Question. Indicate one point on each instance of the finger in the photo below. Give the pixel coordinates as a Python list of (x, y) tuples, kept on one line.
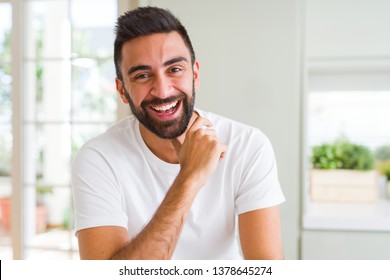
[(199, 123), (206, 127), (224, 151), (209, 131)]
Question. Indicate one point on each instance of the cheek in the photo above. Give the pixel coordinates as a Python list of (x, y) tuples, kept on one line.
[(185, 85), (137, 95)]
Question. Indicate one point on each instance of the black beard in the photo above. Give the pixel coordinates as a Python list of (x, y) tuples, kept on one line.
[(165, 129)]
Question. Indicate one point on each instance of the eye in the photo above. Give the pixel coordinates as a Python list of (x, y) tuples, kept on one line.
[(141, 76), (174, 69)]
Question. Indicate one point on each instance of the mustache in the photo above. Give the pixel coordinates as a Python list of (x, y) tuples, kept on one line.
[(159, 101)]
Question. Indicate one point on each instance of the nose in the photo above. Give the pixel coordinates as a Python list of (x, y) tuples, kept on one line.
[(162, 87)]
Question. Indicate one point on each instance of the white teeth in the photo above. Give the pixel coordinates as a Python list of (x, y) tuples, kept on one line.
[(165, 107)]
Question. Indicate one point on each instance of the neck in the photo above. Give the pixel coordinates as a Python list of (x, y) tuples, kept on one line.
[(163, 148)]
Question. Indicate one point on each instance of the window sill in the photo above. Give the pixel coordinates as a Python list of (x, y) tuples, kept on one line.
[(348, 216)]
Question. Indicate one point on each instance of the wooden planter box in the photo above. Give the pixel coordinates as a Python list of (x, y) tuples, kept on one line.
[(344, 185)]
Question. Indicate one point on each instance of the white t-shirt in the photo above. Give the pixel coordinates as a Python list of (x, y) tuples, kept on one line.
[(118, 181)]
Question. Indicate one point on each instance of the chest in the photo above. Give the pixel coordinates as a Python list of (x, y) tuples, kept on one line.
[(145, 186)]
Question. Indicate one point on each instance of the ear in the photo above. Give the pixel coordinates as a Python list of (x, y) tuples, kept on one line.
[(196, 74), (120, 89)]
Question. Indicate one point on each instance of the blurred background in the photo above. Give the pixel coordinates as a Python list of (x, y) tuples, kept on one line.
[(314, 75)]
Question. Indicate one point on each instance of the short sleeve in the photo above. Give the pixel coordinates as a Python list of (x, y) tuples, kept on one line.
[(259, 186), (96, 194)]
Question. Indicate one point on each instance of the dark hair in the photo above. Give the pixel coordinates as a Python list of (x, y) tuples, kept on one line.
[(145, 21)]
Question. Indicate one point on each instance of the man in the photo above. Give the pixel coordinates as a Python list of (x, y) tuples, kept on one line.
[(171, 181)]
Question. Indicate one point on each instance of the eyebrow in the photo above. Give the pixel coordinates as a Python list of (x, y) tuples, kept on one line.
[(175, 60), (137, 68), (148, 67)]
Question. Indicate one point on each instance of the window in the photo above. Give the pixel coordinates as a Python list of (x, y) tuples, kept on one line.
[(360, 116), (68, 96)]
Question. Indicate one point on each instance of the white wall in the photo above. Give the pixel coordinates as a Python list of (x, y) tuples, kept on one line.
[(348, 28), (249, 53)]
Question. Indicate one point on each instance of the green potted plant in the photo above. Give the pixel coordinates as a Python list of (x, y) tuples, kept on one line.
[(5, 183), (382, 158), (42, 212), (5, 211), (385, 171), (41, 209), (343, 171)]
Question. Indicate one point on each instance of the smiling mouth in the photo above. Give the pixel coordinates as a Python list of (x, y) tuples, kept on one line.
[(166, 108)]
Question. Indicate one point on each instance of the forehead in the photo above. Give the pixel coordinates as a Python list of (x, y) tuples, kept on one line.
[(154, 48)]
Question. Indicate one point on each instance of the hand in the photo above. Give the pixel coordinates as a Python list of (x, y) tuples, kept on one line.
[(200, 151)]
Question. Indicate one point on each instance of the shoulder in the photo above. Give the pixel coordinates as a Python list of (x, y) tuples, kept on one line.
[(120, 137), (234, 131), (119, 132)]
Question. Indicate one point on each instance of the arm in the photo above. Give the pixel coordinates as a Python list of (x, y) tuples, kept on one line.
[(260, 234), (156, 241), (198, 157)]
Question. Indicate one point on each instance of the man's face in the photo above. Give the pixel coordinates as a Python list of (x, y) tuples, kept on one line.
[(159, 82)]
